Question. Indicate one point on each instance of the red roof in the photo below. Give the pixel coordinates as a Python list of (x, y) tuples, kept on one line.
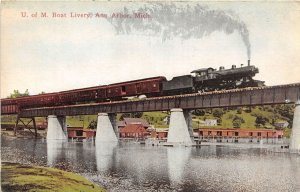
[(129, 121), (133, 128)]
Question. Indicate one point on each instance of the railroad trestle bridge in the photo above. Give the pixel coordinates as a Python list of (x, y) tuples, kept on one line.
[(230, 98), (179, 105)]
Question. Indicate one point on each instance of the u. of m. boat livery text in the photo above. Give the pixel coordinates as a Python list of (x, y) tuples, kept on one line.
[(85, 15)]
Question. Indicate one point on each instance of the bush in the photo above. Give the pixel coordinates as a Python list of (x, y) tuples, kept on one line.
[(198, 112), (237, 122), (218, 113), (93, 124), (239, 110), (261, 121)]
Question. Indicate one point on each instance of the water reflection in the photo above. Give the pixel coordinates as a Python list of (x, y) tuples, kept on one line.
[(135, 167), (178, 157), (104, 155), (55, 150)]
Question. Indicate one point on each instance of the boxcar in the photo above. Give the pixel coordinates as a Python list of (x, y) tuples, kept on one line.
[(149, 87)]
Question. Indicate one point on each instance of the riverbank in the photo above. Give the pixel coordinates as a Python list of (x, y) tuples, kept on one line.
[(24, 133), (18, 177)]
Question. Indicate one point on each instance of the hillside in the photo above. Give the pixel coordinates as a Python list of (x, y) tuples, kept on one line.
[(242, 117)]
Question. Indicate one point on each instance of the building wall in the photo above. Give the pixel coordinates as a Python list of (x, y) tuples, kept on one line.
[(81, 133), (133, 131), (241, 133)]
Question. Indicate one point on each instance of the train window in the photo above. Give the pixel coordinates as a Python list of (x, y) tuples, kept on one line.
[(123, 88)]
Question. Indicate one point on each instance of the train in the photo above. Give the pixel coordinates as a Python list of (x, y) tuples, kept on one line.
[(200, 80)]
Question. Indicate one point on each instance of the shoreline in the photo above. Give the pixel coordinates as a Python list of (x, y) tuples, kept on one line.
[(20, 177)]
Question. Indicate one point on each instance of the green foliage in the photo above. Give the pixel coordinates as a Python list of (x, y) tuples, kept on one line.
[(269, 109), (239, 110), (158, 119), (79, 121), (124, 115), (93, 124), (198, 112), (136, 115), (230, 116), (248, 110), (17, 177), (130, 115), (261, 121), (237, 122), (217, 113), (287, 132), (17, 93), (286, 111)]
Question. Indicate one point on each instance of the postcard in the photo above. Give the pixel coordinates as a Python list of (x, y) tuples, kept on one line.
[(57, 53)]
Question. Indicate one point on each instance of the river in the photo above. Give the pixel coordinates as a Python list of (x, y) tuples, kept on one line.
[(136, 167)]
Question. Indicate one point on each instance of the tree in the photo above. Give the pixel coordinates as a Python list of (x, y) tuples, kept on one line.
[(17, 93), (217, 113), (93, 124), (286, 111), (136, 114), (198, 112), (237, 122), (124, 115), (260, 120)]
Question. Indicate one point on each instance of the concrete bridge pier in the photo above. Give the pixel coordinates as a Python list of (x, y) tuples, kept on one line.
[(105, 128), (113, 119), (180, 128), (57, 128), (188, 119), (295, 136)]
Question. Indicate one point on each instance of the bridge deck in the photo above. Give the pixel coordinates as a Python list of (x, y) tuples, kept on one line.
[(229, 98)]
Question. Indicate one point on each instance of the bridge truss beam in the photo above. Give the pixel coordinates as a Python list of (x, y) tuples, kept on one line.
[(230, 98)]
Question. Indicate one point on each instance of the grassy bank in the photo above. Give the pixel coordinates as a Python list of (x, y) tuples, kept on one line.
[(16, 177)]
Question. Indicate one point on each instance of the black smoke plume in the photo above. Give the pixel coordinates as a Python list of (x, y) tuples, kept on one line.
[(170, 20)]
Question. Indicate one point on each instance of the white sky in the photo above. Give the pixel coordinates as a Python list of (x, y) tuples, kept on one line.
[(51, 54)]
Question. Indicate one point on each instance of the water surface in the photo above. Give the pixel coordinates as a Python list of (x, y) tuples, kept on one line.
[(135, 167)]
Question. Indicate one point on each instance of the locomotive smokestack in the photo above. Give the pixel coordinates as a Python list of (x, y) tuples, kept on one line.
[(249, 62)]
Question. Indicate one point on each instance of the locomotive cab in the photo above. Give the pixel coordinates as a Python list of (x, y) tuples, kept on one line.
[(204, 72)]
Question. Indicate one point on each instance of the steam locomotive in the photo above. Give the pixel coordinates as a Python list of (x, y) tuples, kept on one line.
[(209, 79), (200, 80)]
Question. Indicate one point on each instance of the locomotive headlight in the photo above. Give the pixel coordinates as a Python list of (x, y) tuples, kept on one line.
[(287, 101)]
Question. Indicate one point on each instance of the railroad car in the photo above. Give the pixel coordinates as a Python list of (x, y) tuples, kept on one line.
[(9, 106), (200, 80), (149, 87)]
